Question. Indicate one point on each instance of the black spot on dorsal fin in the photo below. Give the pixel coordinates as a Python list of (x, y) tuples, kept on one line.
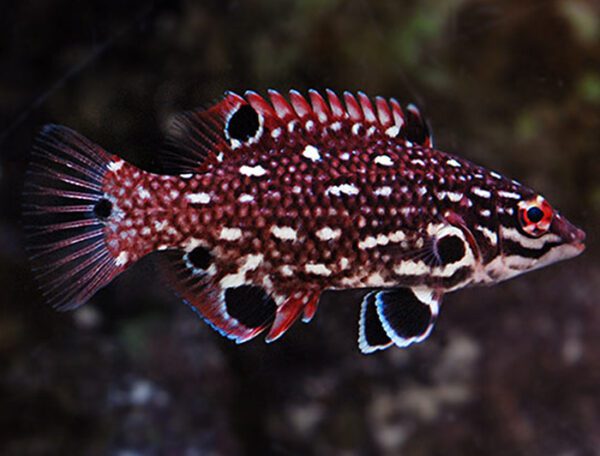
[(407, 315)]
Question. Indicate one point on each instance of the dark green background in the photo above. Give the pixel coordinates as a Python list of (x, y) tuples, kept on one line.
[(513, 369)]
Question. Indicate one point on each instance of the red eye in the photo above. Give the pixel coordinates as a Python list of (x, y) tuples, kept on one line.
[(535, 216)]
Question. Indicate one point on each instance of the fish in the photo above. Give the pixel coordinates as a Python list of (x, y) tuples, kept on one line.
[(266, 202)]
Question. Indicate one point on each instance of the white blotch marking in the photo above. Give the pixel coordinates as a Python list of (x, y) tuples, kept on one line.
[(309, 125), (344, 263), (186, 175), (482, 193), (317, 269), (312, 153), (286, 270), (409, 268), (174, 194), (245, 198), (530, 243), (495, 175), (371, 130), (116, 165), (397, 236), (336, 126), (422, 190), (485, 212), (198, 198), (489, 234), (285, 233), (251, 262), (356, 128), (347, 189), (143, 193), (384, 160), (392, 132), (367, 243), (418, 161), (276, 133), (383, 191), (375, 280), (159, 226), (455, 197), (328, 234), (453, 163), (254, 171), (291, 126), (230, 234), (345, 156), (122, 259), (510, 195)]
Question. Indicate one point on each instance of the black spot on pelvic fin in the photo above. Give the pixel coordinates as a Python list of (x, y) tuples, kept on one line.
[(450, 249), (200, 258), (250, 305), (103, 209), (243, 124), (404, 313)]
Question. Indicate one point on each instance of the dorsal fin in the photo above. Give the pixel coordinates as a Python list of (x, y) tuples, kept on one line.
[(201, 137)]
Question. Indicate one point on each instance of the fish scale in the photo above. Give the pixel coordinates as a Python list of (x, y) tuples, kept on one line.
[(270, 202)]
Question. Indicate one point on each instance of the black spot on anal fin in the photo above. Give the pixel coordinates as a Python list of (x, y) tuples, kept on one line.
[(250, 305), (407, 315), (371, 335)]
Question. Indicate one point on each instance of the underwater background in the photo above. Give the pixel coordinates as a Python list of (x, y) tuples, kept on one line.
[(509, 370)]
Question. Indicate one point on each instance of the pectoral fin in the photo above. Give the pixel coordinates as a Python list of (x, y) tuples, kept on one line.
[(401, 316)]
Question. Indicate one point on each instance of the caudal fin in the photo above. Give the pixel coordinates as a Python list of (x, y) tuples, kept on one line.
[(64, 213)]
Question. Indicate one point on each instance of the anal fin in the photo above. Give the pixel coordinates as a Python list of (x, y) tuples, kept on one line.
[(238, 313)]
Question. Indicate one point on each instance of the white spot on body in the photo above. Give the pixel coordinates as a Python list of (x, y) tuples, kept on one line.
[(384, 160), (245, 198), (347, 189), (251, 262), (116, 165), (230, 234), (159, 226), (383, 191), (453, 163), (455, 197), (285, 233), (310, 125), (356, 128), (143, 193), (276, 133), (336, 126), (328, 234), (345, 156), (317, 269), (489, 234), (254, 171), (198, 198), (482, 193), (186, 175), (510, 195), (174, 194), (392, 132), (495, 175), (312, 153), (286, 270), (367, 243), (122, 258), (418, 161)]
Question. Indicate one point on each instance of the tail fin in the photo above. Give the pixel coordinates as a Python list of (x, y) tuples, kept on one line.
[(64, 212)]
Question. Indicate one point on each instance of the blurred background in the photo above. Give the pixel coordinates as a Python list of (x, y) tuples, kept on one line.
[(510, 370)]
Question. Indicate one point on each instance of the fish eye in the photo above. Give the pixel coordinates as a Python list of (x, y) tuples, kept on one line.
[(535, 216)]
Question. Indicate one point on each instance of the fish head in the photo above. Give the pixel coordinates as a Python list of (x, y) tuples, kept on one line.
[(531, 235)]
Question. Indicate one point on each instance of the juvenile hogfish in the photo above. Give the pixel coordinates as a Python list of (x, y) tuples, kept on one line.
[(269, 202)]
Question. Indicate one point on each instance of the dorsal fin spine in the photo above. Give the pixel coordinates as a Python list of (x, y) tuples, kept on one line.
[(352, 107)]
